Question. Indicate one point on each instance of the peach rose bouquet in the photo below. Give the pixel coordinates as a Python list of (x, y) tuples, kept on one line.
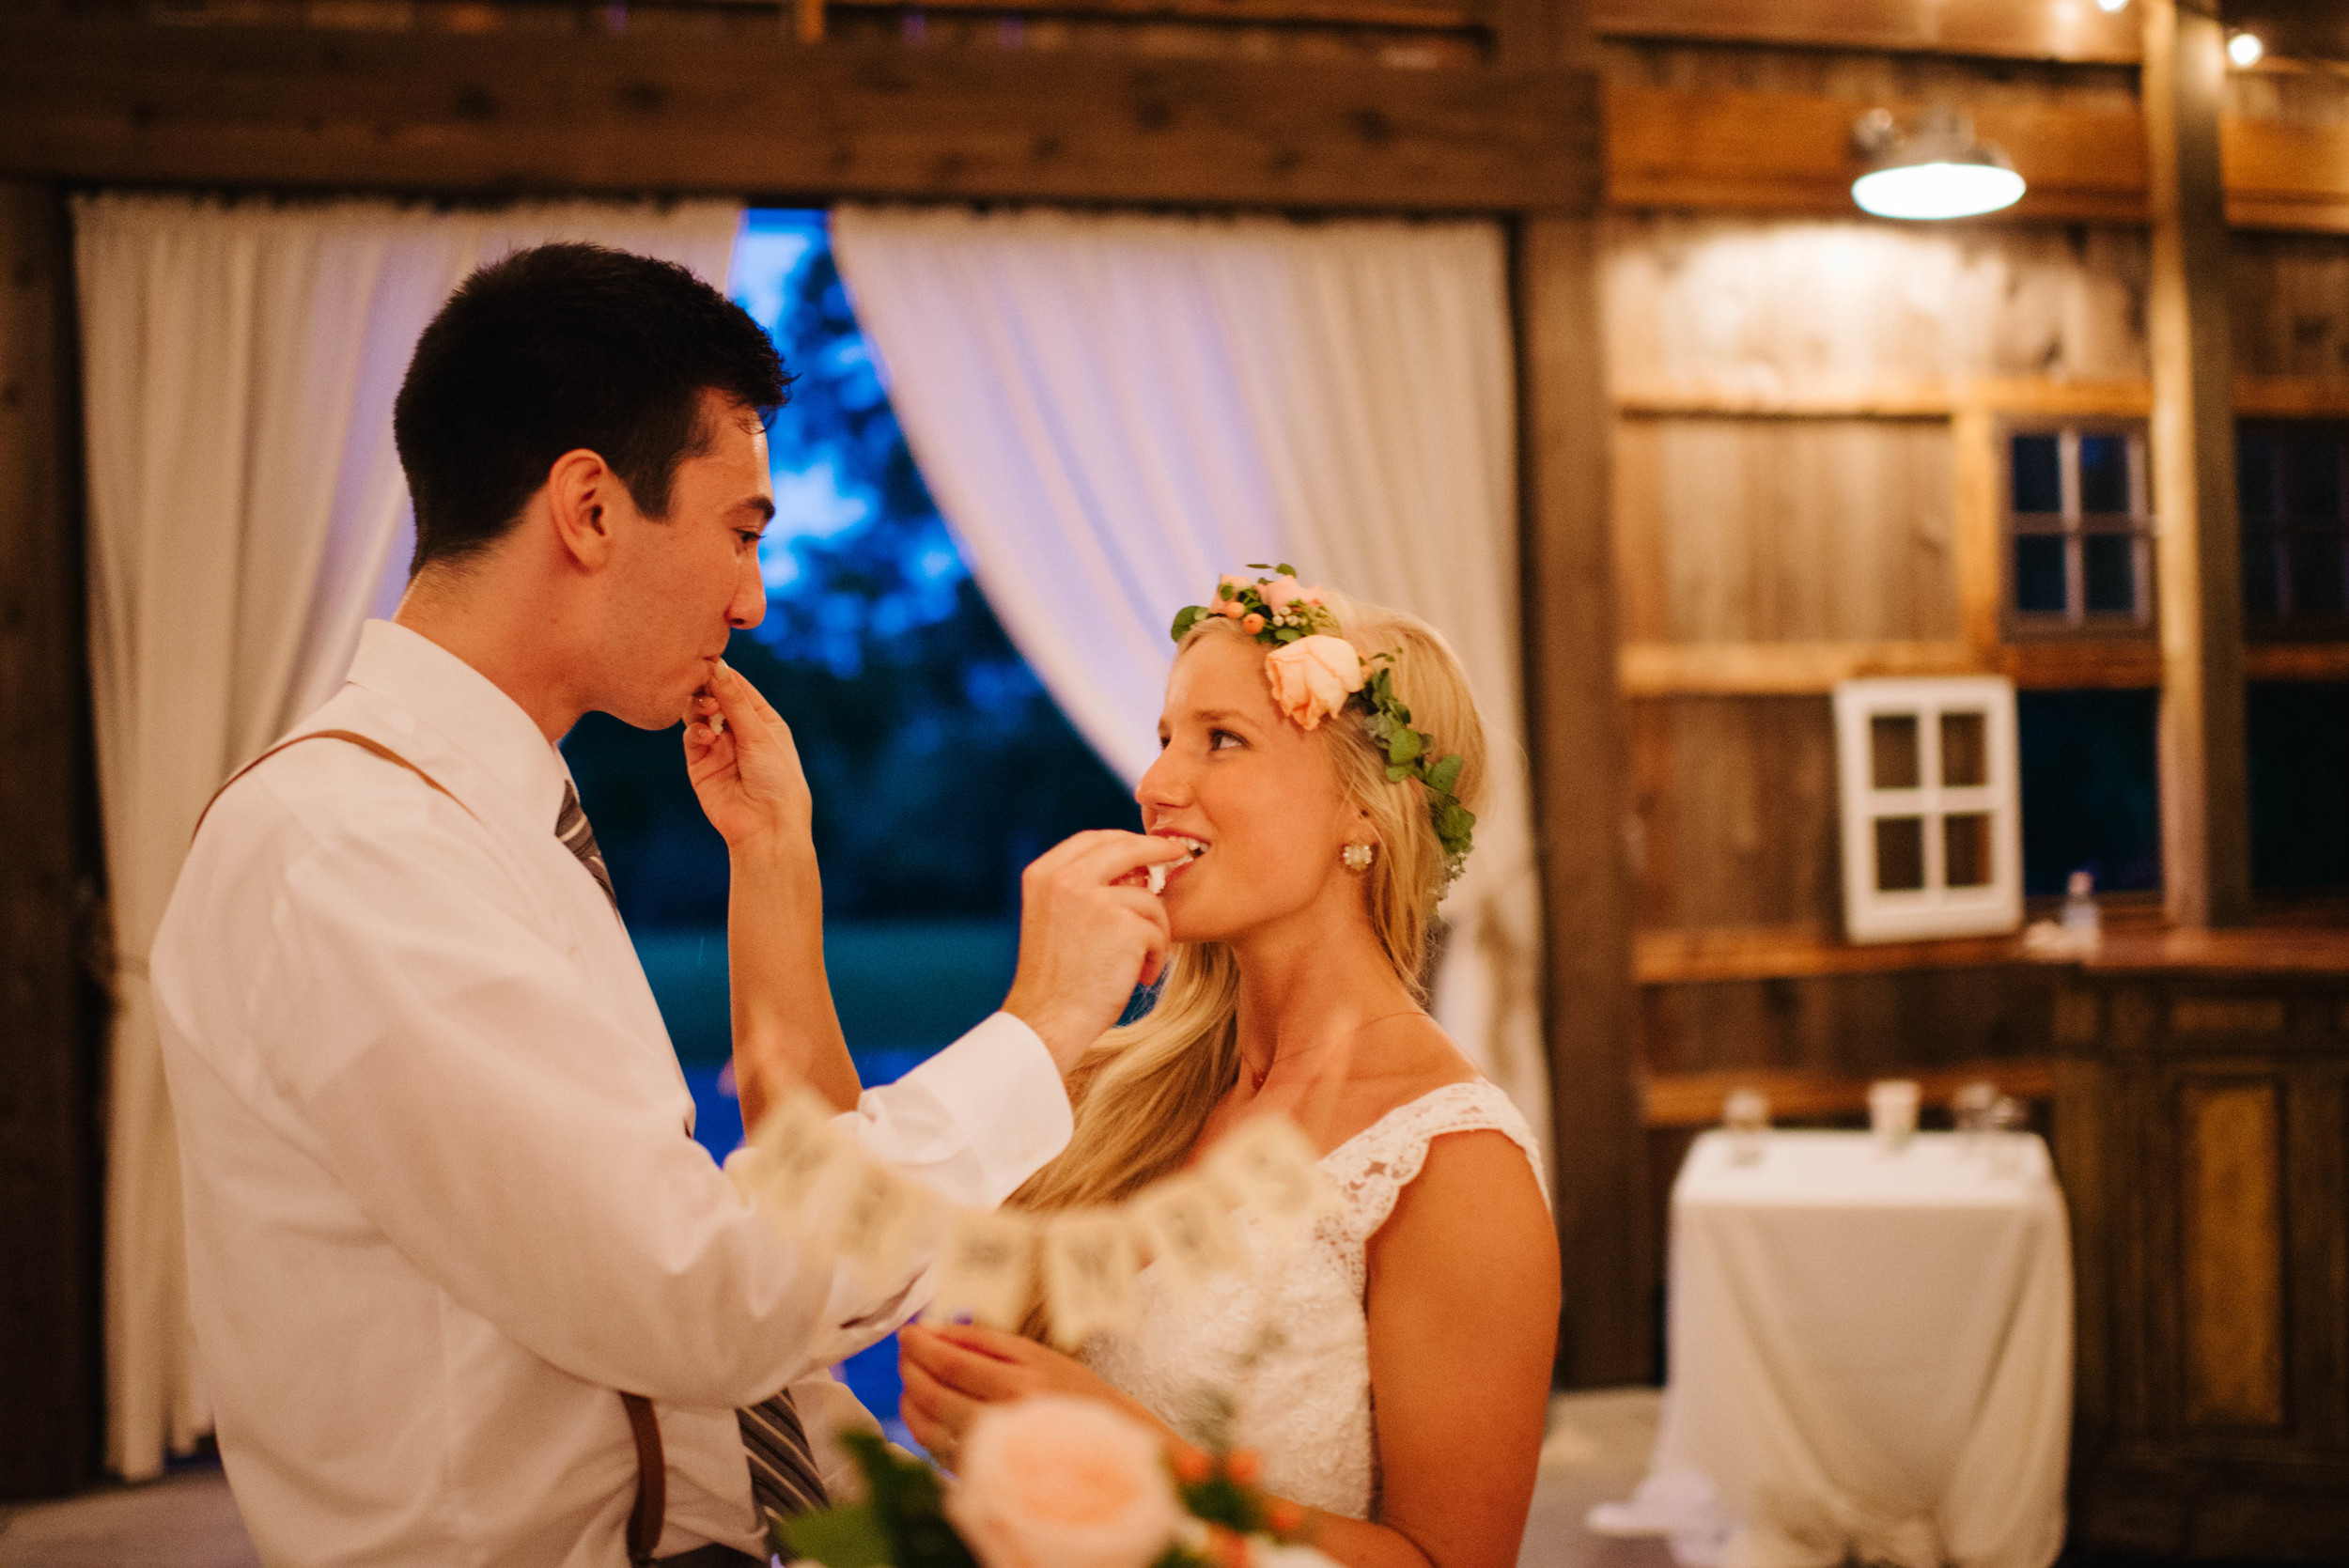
[(1060, 1482), (1052, 1482)]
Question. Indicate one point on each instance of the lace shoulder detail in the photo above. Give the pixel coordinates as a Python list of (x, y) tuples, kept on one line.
[(1372, 1168)]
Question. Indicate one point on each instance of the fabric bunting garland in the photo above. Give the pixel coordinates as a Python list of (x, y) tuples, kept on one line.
[(819, 1188)]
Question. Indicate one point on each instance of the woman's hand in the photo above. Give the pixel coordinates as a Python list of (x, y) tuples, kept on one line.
[(952, 1373), (746, 769)]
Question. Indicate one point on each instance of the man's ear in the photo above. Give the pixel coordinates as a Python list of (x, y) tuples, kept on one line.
[(582, 496)]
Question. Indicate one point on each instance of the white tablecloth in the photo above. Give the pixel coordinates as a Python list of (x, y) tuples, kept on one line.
[(1871, 1356)]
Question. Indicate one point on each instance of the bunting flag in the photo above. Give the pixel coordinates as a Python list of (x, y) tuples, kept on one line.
[(1091, 1270), (986, 1270), (819, 1187), (1189, 1227)]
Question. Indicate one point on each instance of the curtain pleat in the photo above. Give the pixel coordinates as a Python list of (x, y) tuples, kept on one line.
[(1111, 409)]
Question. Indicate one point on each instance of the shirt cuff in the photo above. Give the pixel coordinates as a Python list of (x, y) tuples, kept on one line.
[(1004, 1094)]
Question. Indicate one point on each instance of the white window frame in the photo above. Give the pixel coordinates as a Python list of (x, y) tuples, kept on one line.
[(1936, 909)]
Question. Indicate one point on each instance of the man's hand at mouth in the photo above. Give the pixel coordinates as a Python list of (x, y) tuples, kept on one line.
[(745, 765)]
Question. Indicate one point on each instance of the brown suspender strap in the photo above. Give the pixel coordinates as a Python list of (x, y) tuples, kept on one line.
[(645, 1519), (365, 743), (652, 1481)]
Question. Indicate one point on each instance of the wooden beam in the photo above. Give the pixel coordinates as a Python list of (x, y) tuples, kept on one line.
[(2285, 177), (2293, 29), (1675, 148), (1422, 16), (1582, 759), (1779, 669), (1672, 147), (48, 1019), (2003, 29), (2264, 396), (2296, 661), (1811, 669), (511, 112), (2205, 803)]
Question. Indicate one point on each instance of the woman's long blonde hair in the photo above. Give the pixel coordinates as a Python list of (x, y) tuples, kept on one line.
[(1144, 1091)]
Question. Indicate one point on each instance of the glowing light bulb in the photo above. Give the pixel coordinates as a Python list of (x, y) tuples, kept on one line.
[(2109, 6), (1938, 190), (2244, 50)]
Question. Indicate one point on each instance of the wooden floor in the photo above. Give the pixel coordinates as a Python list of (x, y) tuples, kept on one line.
[(1598, 1450)]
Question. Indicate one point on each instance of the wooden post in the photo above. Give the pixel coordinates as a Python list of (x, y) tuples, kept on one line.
[(2206, 805), (49, 1384), (1580, 737), (1581, 777)]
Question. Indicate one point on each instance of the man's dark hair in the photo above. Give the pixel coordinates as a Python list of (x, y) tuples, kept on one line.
[(559, 348)]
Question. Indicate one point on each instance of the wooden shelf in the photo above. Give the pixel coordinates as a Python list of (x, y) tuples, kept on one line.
[(1694, 1100), (1795, 952)]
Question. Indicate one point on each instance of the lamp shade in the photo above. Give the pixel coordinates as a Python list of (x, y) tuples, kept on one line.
[(1937, 170)]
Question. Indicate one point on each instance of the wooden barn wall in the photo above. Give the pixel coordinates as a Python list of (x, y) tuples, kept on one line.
[(1763, 529), (1792, 469), (2290, 300), (1411, 35), (1795, 306), (1783, 531)]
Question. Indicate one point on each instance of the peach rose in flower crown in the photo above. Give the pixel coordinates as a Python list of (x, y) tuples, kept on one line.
[(1051, 1481), (1281, 592), (1312, 676)]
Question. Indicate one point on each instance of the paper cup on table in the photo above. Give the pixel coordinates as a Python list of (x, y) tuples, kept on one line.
[(1892, 1111), (1747, 1115)]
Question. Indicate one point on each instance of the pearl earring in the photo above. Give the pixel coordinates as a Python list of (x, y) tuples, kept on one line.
[(1357, 856)]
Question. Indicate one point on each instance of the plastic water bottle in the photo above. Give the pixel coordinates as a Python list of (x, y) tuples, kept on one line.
[(2082, 921)]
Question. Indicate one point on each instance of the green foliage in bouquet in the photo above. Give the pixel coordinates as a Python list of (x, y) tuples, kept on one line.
[(900, 1524)]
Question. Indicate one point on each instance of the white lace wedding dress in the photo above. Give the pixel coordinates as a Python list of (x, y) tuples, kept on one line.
[(1286, 1339)]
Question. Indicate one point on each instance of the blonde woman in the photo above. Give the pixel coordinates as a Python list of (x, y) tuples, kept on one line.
[(1391, 1363)]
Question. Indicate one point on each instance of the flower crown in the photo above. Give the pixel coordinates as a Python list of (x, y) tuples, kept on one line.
[(1314, 672)]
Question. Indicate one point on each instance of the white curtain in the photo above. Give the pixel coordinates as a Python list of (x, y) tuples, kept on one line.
[(1113, 410), (246, 513)]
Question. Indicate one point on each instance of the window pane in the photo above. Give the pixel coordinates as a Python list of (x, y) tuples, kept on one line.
[(1900, 854), (2255, 478), (2038, 474), (1892, 751), (2109, 563), (2312, 477), (2105, 473), (1966, 849), (1964, 754), (2296, 736), (2039, 574), (2262, 588), (2316, 575), (2091, 798)]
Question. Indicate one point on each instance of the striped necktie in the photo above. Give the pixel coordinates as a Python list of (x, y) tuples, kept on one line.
[(784, 1480), (571, 826)]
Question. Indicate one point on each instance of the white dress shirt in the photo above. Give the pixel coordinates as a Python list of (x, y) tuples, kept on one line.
[(443, 1198)]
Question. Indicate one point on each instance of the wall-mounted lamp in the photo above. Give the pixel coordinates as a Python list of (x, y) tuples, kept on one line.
[(1935, 169), (2245, 49)]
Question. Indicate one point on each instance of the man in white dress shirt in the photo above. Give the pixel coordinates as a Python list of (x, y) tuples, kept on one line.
[(443, 1206)]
